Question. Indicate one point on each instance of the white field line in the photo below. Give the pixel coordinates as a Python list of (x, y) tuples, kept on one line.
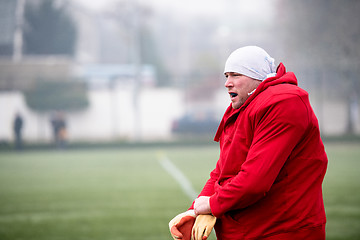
[(180, 178)]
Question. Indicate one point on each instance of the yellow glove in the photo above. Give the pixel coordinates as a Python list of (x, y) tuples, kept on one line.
[(181, 225), (202, 227)]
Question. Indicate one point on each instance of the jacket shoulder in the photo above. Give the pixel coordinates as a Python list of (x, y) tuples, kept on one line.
[(280, 92), (286, 101)]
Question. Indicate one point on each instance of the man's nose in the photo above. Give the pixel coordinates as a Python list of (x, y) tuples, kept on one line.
[(228, 82)]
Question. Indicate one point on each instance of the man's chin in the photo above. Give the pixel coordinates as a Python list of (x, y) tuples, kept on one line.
[(235, 105)]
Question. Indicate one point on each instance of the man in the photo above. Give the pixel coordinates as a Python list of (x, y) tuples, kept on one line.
[(17, 127), (267, 183)]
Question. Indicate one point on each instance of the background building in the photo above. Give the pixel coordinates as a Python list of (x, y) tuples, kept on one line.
[(148, 64)]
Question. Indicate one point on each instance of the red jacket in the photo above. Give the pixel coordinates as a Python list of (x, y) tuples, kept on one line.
[(267, 181)]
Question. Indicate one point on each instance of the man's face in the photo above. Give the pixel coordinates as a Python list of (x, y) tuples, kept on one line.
[(239, 86)]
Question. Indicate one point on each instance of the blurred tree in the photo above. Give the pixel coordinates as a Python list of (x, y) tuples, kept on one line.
[(149, 54), (7, 26), (324, 37), (57, 95), (49, 29), (135, 19)]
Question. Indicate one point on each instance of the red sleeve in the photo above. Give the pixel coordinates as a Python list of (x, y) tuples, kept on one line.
[(277, 130)]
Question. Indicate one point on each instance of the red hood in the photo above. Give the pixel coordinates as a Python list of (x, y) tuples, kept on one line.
[(281, 77)]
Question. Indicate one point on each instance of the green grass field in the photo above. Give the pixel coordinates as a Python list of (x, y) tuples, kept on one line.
[(126, 194)]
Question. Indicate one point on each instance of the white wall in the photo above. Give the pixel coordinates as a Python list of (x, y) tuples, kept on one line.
[(110, 116), (36, 126)]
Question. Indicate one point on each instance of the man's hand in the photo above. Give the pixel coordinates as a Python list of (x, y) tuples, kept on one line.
[(202, 227), (181, 225), (202, 205)]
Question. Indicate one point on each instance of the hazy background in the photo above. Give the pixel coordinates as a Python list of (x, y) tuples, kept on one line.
[(130, 84), (136, 70)]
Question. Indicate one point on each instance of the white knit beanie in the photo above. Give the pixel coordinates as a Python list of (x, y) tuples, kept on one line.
[(251, 61)]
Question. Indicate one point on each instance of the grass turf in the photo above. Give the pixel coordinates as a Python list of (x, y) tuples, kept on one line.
[(125, 194)]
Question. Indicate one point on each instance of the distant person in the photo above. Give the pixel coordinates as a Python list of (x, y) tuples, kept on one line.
[(59, 129), (62, 132), (267, 183), (54, 126), (17, 127)]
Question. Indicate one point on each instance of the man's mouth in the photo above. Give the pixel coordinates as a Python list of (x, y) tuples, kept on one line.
[(232, 95)]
